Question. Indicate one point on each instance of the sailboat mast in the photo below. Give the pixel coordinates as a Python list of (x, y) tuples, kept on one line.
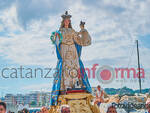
[(139, 76)]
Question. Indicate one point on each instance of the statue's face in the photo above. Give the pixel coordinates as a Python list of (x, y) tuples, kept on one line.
[(66, 22)]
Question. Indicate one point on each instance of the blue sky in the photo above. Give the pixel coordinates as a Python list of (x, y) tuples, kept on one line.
[(25, 27)]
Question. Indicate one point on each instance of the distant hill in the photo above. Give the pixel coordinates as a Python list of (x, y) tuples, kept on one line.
[(124, 90)]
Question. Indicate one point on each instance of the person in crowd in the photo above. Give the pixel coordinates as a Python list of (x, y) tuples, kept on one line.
[(148, 105), (2, 107), (99, 96), (25, 110), (19, 111), (44, 110), (65, 109), (112, 109)]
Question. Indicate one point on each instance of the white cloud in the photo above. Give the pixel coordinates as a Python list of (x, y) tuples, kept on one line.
[(1, 28), (114, 26), (9, 20), (30, 47), (38, 87)]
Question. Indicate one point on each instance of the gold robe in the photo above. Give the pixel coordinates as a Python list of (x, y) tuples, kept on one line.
[(70, 65)]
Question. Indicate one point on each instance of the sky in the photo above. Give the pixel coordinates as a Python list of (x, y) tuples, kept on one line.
[(25, 28)]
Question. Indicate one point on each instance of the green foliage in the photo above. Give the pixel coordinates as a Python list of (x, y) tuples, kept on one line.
[(124, 91)]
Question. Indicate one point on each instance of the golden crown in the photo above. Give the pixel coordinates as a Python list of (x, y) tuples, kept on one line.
[(66, 15)]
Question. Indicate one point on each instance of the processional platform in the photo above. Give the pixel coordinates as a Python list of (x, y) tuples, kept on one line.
[(78, 103)]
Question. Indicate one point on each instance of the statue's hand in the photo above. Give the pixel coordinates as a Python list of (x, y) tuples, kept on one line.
[(82, 25)]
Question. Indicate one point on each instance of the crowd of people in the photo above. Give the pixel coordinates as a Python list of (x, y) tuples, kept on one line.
[(63, 109), (3, 109), (66, 109), (100, 101)]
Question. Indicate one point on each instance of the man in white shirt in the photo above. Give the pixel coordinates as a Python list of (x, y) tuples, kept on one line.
[(99, 95)]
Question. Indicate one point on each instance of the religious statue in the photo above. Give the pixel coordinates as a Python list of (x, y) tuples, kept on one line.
[(70, 74)]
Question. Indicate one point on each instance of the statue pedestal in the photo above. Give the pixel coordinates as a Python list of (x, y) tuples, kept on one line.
[(78, 102)]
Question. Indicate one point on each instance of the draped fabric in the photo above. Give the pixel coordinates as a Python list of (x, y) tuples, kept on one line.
[(82, 70), (57, 78)]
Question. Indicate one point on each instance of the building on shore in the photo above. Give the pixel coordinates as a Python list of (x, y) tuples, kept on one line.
[(33, 99)]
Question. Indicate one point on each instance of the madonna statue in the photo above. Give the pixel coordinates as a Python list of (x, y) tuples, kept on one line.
[(70, 75)]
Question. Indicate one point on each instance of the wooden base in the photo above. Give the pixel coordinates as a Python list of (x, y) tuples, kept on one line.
[(78, 102)]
